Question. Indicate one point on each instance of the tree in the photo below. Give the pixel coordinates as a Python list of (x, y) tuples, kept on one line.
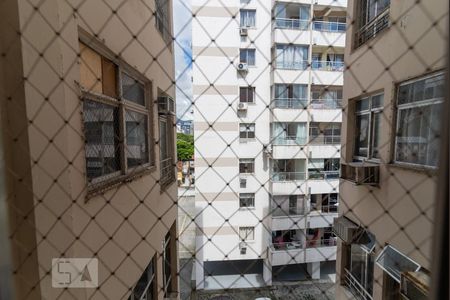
[(185, 146)]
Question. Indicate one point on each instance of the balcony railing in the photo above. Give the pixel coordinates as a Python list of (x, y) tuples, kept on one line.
[(285, 23), (325, 65), (370, 30), (290, 103), (167, 171), (355, 287), (325, 140), (321, 243), (288, 176), (329, 26), (326, 103), (323, 174), (292, 65), (290, 140), (292, 211), (282, 246)]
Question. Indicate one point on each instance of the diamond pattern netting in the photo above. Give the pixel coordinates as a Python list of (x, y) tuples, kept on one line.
[(56, 197)]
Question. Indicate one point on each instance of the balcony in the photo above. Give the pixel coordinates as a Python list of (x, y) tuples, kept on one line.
[(288, 212), (289, 103), (325, 65), (323, 175), (325, 140), (288, 176), (326, 104), (291, 65), (324, 26), (288, 23)]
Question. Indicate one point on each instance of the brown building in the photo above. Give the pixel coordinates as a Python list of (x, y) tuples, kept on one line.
[(393, 95), (88, 144)]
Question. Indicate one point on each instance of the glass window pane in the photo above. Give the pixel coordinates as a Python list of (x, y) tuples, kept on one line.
[(362, 105), (136, 135), (101, 129), (376, 131), (133, 90), (362, 135)]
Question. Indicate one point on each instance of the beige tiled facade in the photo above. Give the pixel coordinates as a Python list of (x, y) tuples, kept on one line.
[(53, 211), (399, 211)]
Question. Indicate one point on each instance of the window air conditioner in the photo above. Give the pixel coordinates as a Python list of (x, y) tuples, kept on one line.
[(268, 149), (361, 173), (243, 32), (243, 247), (166, 105), (242, 67), (242, 106), (243, 182)]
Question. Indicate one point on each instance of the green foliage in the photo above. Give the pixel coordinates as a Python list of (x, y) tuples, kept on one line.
[(185, 146)]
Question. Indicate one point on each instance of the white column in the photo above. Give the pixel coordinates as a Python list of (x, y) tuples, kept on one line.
[(314, 270)]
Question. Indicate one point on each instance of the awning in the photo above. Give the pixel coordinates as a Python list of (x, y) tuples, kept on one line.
[(393, 262)]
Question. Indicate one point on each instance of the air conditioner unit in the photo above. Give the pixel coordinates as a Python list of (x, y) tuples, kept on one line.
[(242, 67), (242, 106), (345, 229), (166, 105), (243, 182), (361, 173), (414, 285), (268, 149), (243, 32), (243, 247)]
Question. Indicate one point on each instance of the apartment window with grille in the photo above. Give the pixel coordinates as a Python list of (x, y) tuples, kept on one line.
[(116, 117), (248, 18), (372, 19), (145, 288), (369, 112), (246, 200), (247, 130), (162, 18), (247, 94), (247, 56), (247, 233), (246, 165), (419, 106)]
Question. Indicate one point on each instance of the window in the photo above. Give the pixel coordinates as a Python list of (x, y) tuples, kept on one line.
[(290, 96), (372, 18), (247, 56), (246, 165), (145, 288), (247, 130), (169, 262), (293, 57), (247, 233), (247, 94), (325, 133), (247, 200), (248, 17), (419, 106), (162, 18), (166, 147), (108, 136), (361, 268), (289, 133), (369, 112)]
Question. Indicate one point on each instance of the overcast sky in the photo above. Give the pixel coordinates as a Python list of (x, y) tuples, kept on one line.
[(183, 57)]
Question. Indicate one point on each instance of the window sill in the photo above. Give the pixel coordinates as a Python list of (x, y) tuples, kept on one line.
[(414, 168), (106, 185)]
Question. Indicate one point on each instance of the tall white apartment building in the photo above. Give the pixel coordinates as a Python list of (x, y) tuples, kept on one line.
[(267, 81)]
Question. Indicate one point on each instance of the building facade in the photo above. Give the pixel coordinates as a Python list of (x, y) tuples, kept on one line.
[(88, 135), (267, 82), (390, 134)]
